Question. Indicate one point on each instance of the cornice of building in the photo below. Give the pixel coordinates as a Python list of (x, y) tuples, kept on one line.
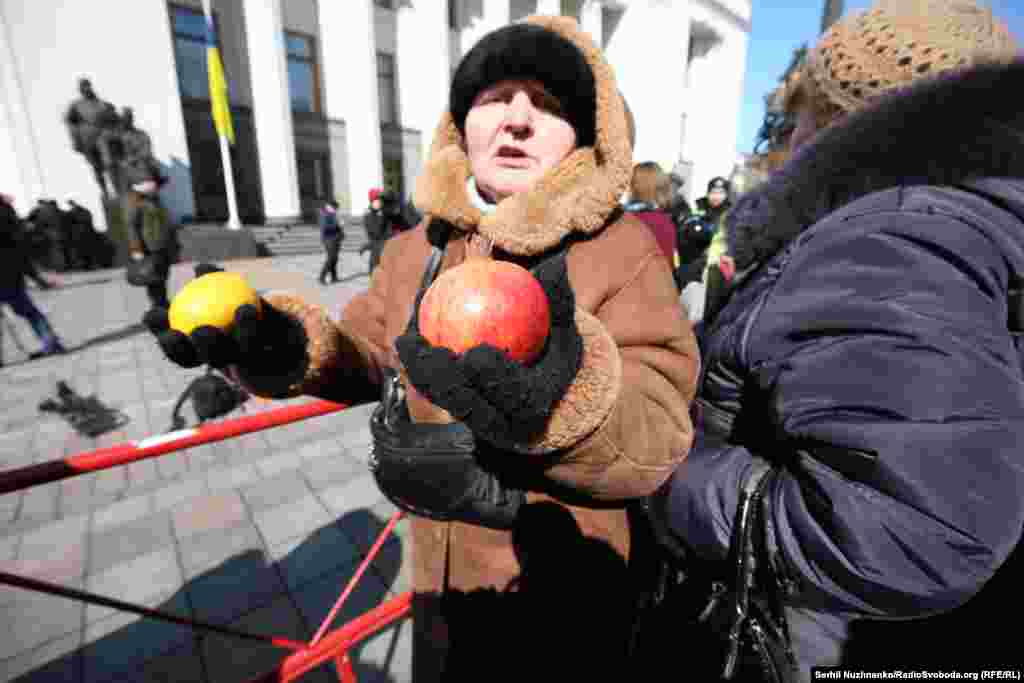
[(743, 23)]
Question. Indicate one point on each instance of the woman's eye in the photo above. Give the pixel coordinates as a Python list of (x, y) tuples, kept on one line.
[(547, 103)]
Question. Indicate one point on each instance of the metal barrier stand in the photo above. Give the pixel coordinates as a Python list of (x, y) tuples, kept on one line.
[(324, 646)]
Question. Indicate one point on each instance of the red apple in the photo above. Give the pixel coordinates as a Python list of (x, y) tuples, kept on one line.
[(483, 301)]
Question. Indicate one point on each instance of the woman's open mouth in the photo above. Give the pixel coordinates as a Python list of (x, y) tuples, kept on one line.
[(512, 157)]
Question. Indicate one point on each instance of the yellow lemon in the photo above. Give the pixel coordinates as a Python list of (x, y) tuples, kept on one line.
[(210, 300)]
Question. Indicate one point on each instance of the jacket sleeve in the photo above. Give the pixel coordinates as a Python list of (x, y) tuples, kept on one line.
[(345, 356), (885, 389), (624, 424)]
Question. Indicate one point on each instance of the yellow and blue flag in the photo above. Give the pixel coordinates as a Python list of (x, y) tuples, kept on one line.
[(219, 104)]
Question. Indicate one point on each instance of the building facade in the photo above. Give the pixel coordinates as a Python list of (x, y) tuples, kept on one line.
[(332, 97)]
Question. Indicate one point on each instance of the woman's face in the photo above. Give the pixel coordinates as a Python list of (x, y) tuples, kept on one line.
[(514, 134)]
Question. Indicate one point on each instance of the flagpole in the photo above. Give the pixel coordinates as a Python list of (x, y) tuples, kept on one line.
[(225, 157), (229, 184)]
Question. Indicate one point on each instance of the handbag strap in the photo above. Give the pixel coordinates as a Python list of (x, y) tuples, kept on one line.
[(742, 557), (390, 384), (430, 273)]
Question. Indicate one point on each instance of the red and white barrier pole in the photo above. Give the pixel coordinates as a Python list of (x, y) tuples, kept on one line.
[(121, 454)]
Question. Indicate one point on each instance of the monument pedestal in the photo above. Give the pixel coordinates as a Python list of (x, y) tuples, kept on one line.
[(198, 243), (211, 242)]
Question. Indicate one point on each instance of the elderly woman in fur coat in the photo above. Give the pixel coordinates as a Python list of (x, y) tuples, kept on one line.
[(863, 384), (517, 476)]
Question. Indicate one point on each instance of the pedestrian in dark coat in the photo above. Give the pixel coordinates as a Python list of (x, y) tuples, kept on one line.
[(383, 220), (377, 228), (869, 360), (332, 235), (16, 263)]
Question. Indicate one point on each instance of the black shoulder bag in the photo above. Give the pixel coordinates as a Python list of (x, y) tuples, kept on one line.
[(146, 270), (730, 618)]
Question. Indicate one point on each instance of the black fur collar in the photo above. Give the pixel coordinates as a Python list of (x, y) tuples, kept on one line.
[(943, 131)]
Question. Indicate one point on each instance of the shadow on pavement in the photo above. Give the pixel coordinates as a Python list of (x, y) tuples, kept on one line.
[(80, 283), (250, 592), (106, 338), (349, 278), (111, 337)]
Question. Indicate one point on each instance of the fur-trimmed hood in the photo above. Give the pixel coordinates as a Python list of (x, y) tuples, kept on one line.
[(576, 196), (949, 131)]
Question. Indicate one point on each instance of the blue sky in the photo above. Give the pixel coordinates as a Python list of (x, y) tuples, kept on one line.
[(780, 26)]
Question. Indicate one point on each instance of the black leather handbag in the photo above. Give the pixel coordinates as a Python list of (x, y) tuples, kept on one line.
[(148, 270), (144, 272), (396, 436), (732, 623)]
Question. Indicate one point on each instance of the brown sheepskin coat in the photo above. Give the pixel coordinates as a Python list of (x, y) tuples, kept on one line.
[(618, 433)]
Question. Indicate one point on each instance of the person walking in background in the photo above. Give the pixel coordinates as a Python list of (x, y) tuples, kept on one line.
[(16, 264), (858, 443), (650, 197), (149, 234), (373, 220), (150, 238), (332, 235), (383, 221)]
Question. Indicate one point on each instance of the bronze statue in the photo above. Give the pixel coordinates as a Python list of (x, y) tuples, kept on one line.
[(89, 119), (137, 167)]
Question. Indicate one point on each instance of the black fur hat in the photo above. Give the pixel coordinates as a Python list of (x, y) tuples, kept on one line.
[(719, 183), (529, 51)]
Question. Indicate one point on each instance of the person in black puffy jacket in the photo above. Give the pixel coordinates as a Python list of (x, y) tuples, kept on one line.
[(868, 360), (16, 263)]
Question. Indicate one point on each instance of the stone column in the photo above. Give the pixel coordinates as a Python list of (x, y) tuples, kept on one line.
[(657, 111), (495, 15), (549, 7), (272, 110), (591, 21), (22, 170), (349, 72), (424, 66), (717, 77)]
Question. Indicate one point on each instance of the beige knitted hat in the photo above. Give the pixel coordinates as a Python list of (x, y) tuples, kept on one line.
[(900, 41)]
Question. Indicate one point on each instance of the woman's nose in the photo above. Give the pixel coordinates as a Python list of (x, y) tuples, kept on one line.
[(519, 114)]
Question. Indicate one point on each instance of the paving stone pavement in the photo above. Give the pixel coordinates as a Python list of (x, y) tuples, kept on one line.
[(260, 532)]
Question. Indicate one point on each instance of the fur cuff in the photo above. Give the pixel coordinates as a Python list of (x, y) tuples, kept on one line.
[(326, 353), (591, 396)]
